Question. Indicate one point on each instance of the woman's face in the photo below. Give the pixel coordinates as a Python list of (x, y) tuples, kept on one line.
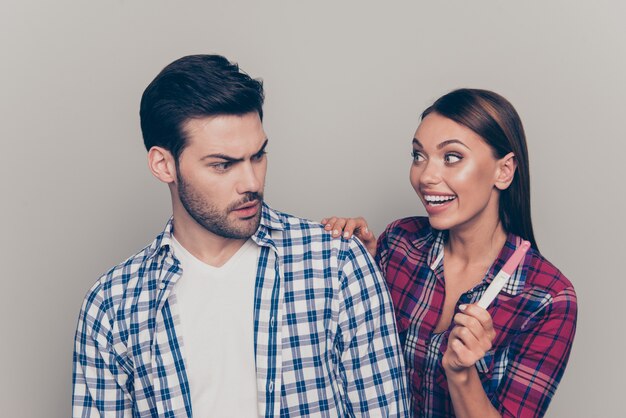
[(455, 173)]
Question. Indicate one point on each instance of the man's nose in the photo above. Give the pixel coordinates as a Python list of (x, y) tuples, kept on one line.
[(250, 181)]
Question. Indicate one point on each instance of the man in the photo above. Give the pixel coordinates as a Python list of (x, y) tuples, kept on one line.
[(235, 310)]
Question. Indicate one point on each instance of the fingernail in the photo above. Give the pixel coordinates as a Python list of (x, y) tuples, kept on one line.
[(462, 307), (366, 230), (335, 232), (346, 235), (327, 226)]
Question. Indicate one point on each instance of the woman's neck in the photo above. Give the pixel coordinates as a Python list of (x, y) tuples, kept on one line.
[(478, 244)]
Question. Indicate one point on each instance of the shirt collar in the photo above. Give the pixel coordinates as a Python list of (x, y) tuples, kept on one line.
[(435, 254), (163, 241), (270, 221), (513, 286)]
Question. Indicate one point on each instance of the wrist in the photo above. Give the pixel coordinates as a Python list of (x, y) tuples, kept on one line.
[(458, 377)]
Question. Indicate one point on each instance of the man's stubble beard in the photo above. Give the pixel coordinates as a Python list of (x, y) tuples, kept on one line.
[(212, 218)]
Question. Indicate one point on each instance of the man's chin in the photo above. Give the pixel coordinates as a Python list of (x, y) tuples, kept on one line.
[(246, 227)]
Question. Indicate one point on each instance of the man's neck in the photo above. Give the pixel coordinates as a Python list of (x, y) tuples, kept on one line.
[(206, 246)]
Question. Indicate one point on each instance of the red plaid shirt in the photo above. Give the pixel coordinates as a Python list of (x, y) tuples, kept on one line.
[(534, 317)]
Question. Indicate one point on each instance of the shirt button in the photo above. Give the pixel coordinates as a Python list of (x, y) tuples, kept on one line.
[(272, 322), (270, 386), (162, 285)]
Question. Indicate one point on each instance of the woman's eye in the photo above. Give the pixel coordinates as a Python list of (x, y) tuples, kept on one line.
[(418, 157), (451, 158)]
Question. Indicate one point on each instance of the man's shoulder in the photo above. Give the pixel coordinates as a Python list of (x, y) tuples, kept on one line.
[(136, 264), (308, 234), (120, 280), (292, 225)]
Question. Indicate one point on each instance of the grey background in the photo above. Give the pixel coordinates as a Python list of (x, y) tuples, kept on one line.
[(345, 83)]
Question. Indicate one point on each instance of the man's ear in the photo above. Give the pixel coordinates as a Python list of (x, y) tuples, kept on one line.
[(506, 171), (162, 165)]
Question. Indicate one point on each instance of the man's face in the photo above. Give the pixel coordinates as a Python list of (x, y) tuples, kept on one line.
[(221, 173)]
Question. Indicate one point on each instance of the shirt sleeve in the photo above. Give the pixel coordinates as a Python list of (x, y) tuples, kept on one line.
[(99, 377), (539, 357), (371, 364)]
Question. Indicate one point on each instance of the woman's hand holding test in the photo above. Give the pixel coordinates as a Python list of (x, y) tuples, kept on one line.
[(469, 340)]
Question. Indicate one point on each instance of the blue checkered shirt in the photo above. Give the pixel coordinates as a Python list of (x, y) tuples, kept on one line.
[(325, 335)]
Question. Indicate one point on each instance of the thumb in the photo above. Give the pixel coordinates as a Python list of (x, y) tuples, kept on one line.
[(369, 240)]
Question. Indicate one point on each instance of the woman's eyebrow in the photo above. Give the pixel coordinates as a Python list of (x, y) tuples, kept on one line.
[(416, 142), (452, 141)]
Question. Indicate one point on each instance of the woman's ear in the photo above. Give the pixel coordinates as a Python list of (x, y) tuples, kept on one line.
[(162, 165), (506, 171)]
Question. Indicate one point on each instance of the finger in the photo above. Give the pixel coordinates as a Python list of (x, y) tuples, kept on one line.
[(462, 356), (366, 234), (338, 226), (481, 316), (484, 337), (464, 347), (367, 237), (470, 323), (361, 228), (468, 338), (477, 312), (329, 222), (349, 228), (335, 225), (369, 240), (358, 227)]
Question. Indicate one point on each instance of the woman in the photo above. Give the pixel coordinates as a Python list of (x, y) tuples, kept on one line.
[(470, 170)]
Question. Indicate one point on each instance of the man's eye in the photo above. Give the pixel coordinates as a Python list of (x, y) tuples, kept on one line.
[(418, 157), (452, 158), (259, 156), (221, 166)]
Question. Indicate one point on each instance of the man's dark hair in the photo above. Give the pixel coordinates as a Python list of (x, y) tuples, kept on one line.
[(191, 87)]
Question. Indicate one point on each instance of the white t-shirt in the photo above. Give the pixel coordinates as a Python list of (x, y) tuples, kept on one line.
[(216, 319)]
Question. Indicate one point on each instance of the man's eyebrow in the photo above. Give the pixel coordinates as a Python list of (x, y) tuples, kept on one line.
[(230, 159), (417, 142), (262, 149), (221, 157)]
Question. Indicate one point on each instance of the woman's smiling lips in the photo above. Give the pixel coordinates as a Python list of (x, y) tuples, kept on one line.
[(436, 203)]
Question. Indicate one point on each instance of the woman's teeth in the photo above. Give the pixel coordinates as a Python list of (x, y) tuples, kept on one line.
[(438, 200)]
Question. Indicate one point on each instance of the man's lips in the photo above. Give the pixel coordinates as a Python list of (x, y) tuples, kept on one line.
[(248, 205), (248, 209)]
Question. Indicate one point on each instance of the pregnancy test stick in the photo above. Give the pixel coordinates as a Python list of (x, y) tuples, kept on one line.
[(503, 275)]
